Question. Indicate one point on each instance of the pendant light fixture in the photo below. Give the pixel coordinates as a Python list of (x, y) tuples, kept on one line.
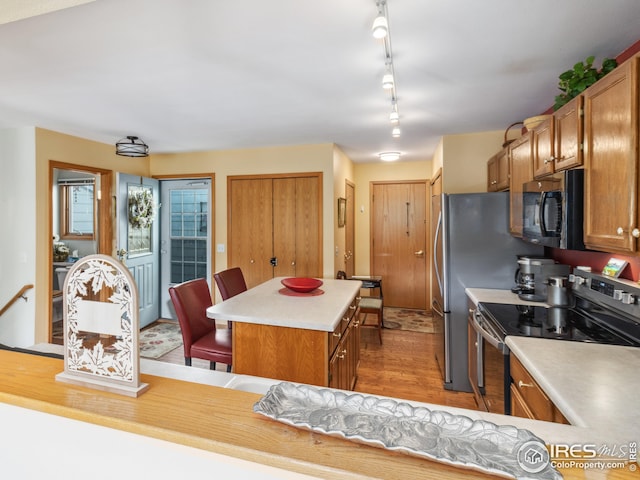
[(132, 147)]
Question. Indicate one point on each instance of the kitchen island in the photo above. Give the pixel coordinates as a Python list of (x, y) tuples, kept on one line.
[(306, 338)]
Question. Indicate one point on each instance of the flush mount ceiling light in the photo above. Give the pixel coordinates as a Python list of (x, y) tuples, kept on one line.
[(395, 131), (132, 147), (389, 156)]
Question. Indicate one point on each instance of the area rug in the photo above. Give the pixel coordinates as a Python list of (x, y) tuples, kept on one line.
[(408, 319), (160, 339)]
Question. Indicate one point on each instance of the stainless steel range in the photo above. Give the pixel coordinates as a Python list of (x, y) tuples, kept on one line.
[(602, 310)]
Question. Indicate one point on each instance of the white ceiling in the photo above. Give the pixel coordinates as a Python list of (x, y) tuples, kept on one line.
[(188, 75)]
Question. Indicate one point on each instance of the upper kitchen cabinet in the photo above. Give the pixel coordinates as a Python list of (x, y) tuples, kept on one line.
[(520, 153), (542, 148), (611, 161), (498, 171), (568, 122)]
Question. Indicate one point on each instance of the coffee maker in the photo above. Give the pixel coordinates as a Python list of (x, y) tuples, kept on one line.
[(532, 277)]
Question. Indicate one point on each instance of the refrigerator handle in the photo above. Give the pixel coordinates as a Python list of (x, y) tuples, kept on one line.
[(436, 244)]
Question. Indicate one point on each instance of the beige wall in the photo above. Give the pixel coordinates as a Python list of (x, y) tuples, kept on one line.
[(306, 158), (365, 173), (69, 149), (343, 169), (464, 160)]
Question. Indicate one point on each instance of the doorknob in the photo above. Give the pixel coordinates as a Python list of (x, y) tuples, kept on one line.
[(121, 254), (419, 253)]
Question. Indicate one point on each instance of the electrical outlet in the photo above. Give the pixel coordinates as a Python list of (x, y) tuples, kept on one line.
[(220, 248)]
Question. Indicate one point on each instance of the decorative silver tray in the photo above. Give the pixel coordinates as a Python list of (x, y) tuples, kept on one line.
[(436, 435)]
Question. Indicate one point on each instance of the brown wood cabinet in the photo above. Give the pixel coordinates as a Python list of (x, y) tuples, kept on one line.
[(345, 358), (521, 172), (315, 357), (528, 400), (568, 121), (542, 149), (611, 161), (498, 171), (275, 226)]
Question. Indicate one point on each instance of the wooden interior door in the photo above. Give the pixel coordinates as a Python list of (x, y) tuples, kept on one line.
[(349, 230), (399, 242), (250, 216)]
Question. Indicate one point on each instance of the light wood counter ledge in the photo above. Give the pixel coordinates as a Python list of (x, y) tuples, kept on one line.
[(206, 417)]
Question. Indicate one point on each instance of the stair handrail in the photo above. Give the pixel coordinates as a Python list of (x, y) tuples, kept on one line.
[(15, 298)]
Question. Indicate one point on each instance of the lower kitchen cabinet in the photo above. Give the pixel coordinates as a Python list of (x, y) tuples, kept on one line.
[(528, 400), (345, 358)]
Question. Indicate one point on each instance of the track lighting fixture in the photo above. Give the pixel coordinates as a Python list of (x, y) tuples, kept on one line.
[(387, 81), (381, 31), (394, 117), (380, 26)]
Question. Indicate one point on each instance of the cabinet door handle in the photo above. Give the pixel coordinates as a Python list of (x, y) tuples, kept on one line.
[(337, 334), (521, 384), (635, 232)]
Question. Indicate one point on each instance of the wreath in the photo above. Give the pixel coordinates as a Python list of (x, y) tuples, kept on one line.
[(142, 210)]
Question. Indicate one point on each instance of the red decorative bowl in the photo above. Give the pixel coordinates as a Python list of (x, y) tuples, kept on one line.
[(301, 284)]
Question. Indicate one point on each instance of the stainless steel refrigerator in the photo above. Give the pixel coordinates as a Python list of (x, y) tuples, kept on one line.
[(472, 247)]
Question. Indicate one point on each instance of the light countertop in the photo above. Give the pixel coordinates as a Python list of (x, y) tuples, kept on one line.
[(596, 387), (491, 295), (264, 305)]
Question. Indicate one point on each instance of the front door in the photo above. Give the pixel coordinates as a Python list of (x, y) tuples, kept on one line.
[(138, 237), (399, 242)]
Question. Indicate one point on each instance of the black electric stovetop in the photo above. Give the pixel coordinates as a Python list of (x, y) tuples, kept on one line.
[(561, 323)]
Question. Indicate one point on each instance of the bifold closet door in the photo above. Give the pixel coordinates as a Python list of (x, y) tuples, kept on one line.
[(250, 216), (296, 231)]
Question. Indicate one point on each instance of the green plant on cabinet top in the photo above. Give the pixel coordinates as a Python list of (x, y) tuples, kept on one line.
[(580, 77)]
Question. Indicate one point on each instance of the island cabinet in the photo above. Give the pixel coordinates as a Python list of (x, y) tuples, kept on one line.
[(311, 339), (528, 400), (498, 172), (521, 172), (611, 161)]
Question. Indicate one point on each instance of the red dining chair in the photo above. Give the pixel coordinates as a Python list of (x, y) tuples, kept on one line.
[(230, 283), (200, 336)]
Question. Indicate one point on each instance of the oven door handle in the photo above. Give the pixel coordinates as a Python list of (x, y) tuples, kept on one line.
[(487, 333)]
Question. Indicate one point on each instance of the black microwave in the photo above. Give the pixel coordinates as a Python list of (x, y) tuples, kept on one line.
[(552, 210)]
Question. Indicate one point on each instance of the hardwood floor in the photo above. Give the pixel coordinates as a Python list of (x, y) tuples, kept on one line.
[(404, 366)]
